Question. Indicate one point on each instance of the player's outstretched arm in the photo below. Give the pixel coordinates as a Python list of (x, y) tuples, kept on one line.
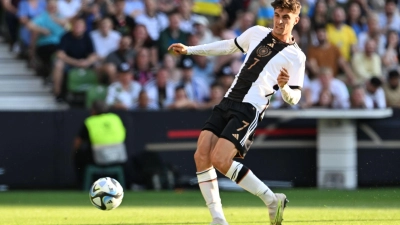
[(289, 95), (224, 47)]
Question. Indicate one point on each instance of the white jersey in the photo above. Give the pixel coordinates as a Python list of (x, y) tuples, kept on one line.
[(256, 80)]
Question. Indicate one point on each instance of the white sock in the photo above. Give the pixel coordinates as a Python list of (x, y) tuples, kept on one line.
[(248, 181), (209, 189)]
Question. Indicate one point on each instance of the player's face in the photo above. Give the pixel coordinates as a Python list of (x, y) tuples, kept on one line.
[(284, 21)]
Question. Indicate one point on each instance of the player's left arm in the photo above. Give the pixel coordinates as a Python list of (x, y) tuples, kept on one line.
[(290, 82)]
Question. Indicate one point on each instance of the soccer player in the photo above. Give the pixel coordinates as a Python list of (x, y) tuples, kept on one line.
[(273, 61)]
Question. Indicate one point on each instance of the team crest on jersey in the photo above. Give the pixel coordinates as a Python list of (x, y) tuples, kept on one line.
[(263, 51)]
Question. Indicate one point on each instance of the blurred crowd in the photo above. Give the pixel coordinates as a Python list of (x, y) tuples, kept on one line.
[(352, 49)]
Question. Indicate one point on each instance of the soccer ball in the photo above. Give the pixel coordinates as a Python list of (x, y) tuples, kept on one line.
[(106, 193)]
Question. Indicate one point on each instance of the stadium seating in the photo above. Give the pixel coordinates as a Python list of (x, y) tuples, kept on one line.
[(94, 93), (78, 82)]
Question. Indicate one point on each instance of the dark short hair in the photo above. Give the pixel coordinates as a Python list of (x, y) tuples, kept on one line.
[(292, 5), (99, 106), (215, 85), (375, 81), (390, 1), (320, 27), (179, 87), (393, 74)]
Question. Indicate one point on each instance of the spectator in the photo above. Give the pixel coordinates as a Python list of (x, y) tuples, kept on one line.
[(122, 22), (225, 77), (201, 30), (161, 90), (144, 102), (374, 95), (105, 40), (142, 66), (181, 100), (327, 55), (367, 64), (391, 56), (337, 88), (169, 63), (331, 6), (75, 50), (154, 21), (216, 96), (342, 35), (49, 28), (134, 8), (392, 89), (91, 13), (390, 18), (27, 10), (185, 9), (325, 99), (141, 39), (306, 36), (355, 18), (320, 15), (245, 21), (366, 6), (222, 60), (167, 6), (203, 69), (124, 54), (124, 93), (196, 89), (172, 34), (233, 11), (374, 32), (12, 23), (97, 144), (358, 97), (68, 9), (103, 7)]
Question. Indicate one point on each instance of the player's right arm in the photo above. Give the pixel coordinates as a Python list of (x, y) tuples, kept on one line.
[(224, 47)]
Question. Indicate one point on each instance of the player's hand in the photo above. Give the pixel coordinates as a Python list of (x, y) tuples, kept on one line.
[(283, 77), (178, 48)]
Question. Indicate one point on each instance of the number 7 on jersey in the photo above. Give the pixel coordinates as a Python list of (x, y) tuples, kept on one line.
[(256, 60)]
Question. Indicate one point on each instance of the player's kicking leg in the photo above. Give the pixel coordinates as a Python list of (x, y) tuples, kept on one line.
[(222, 159), (207, 176)]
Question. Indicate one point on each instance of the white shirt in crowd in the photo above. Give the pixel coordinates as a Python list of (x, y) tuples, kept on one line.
[(136, 7), (393, 25), (337, 88), (378, 97), (187, 25), (152, 92), (129, 98), (104, 45), (197, 90), (68, 9), (154, 25), (380, 46)]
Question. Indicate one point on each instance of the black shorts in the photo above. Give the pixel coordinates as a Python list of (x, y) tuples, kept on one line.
[(236, 122)]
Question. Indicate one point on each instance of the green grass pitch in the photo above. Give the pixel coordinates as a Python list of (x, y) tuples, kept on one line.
[(307, 206)]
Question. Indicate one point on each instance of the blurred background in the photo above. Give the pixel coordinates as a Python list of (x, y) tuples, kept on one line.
[(89, 89)]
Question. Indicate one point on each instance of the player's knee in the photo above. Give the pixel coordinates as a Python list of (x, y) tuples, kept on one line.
[(201, 156), (218, 161)]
